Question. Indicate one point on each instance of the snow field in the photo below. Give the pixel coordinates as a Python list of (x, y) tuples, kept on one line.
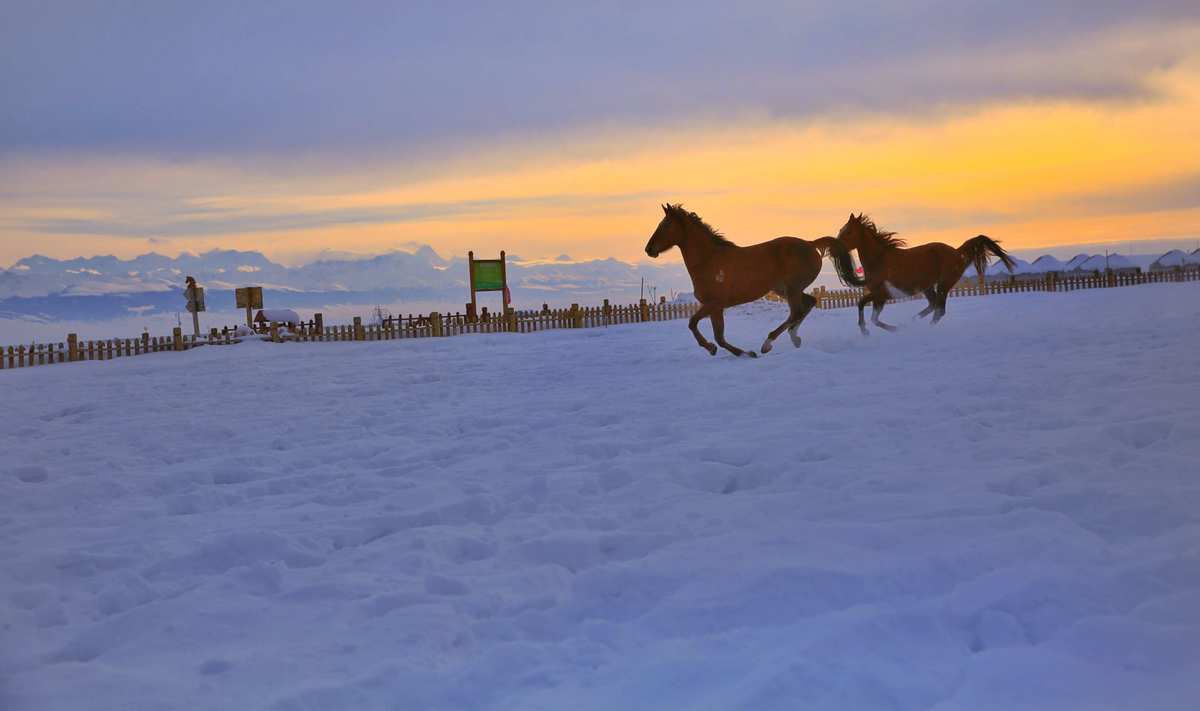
[(998, 512)]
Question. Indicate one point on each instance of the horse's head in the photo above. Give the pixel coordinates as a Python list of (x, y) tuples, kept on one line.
[(668, 234), (851, 233)]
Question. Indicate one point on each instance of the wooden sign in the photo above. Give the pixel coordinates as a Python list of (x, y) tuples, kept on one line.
[(249, 297), (486, 275)]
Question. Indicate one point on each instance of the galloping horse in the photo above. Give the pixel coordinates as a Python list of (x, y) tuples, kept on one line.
[(932, 269), (724, 274)]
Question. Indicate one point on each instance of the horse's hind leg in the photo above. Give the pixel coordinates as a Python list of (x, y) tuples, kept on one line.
[(718, 323), (796, 312), (806, 304), (694, 325), (766, 346), (862, 324), (876, 309), (932, 296)]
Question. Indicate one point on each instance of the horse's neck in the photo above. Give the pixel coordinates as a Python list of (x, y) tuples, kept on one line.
[(870, 251), (697, 250)]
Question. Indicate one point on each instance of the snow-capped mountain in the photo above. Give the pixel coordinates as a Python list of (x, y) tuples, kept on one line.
[(44, 285)]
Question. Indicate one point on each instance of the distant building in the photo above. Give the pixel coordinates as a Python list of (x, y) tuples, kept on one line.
[(1100, 263), (285, 317), (1171, 261), (1075, 262), (1048, 264)]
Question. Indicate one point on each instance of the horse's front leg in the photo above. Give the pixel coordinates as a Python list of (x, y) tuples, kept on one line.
[(941, 303), (718, 323), (862, 322), (694, 324)]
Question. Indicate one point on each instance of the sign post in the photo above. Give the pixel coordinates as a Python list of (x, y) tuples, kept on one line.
[(249, 298), (195, 303), (486, 275)]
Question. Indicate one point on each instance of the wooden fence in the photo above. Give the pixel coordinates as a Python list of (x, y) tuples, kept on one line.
[(843, 298), (392, 327), (437, 324), (77, 350)]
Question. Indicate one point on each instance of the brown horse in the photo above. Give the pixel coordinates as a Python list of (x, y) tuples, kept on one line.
[(724, 274), (892, 269)]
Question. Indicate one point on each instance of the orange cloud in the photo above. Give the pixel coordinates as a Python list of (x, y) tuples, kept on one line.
[(1028, 173)]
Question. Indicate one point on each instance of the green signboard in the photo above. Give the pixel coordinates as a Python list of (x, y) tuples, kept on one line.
[(488, 275)]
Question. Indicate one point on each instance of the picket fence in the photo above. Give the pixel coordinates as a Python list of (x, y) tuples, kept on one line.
[(390, 328), (844, 298), (436, 324)]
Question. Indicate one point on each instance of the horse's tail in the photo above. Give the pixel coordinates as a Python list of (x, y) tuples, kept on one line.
[(976, 249), (842, 262)]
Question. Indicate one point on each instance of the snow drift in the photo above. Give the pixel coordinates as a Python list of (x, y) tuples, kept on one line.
[(999, 512)]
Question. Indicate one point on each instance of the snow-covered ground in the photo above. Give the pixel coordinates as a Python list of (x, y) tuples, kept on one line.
[(1000, 512)]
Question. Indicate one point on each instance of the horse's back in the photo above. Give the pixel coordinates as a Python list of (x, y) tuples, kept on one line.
[(914, 269), (746, 273)]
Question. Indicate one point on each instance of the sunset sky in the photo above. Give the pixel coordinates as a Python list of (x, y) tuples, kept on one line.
[(549, 128)]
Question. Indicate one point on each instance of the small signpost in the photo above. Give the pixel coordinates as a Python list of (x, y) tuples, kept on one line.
[(249, 298), (195, 302), (486, 275)]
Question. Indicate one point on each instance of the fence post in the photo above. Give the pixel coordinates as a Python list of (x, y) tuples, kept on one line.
[(359, 334), (435, 323), (274, 332), (319, 320), (177, 338), (72, 347), (644, 309)]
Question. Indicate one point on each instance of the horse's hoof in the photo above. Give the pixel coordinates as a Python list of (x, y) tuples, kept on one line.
[(766, 347), (865, 332), (712, 350), (796, 342), (750, 354)]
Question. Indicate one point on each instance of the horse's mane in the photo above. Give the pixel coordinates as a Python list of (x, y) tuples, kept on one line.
[(688, 216), (887, 240)]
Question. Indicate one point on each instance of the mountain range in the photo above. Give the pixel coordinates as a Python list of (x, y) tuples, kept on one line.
[(107, 286)]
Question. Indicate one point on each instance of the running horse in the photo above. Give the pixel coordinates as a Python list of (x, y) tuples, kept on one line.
[(724, 274), (891, 269)]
